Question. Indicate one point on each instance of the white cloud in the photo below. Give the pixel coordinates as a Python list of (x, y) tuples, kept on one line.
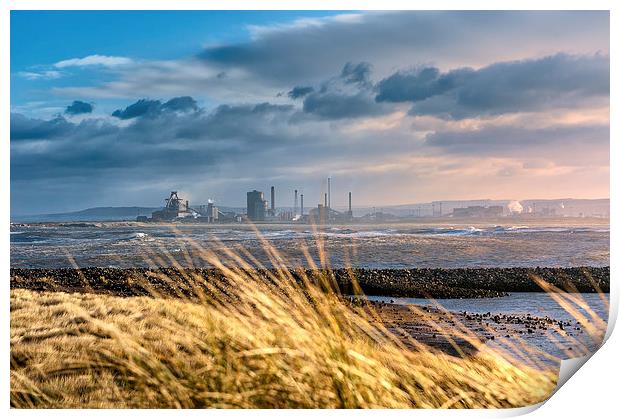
[(91, 60), (40, 75), (183, 77), (257, 31)]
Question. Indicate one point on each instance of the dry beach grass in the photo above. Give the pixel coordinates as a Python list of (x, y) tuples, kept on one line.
[(71, 350), (255, 343)]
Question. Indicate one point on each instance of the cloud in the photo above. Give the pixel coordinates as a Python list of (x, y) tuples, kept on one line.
[(57, 128), (303, 52), (143, 107), (331, 105), (348, 95), (23, 128), (40, 75), (94, 60), (78, 107), (300, 91), (181, 104), (254, 123), (413, 86), (571, 144), (356, 73), (557, 81), (152, 108)]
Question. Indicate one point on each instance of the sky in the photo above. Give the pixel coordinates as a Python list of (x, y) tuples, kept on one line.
[(119, 108)]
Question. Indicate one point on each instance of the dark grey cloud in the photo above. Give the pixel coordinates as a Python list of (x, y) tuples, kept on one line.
[(181, 104), (356, 73), (78, 107), (254, 123), (306, 53), (330, 105), (168, 141), (557, 81), (23, 128), (414, 85), (153, 108), (143, 107), (348, 95), (300, 91), (58, 128)]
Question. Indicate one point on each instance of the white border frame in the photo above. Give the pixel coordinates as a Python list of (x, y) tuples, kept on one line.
[(576, 398)]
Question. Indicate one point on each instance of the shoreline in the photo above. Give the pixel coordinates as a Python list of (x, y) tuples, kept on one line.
[(414, 283), (446, 331)]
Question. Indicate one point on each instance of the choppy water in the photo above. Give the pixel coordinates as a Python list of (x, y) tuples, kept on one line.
[(372, 246)]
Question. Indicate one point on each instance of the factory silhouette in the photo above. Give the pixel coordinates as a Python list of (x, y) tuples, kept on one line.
[(259, 210)]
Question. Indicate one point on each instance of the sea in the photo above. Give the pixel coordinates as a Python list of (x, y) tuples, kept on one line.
[(434, 245)]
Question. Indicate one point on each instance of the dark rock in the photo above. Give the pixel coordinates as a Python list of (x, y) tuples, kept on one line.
[(418, 282)]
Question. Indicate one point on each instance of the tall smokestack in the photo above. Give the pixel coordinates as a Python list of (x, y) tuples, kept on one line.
[(302, 205), (325, 201), (273, 200), (295, 208), (349, 202), (329, 193)]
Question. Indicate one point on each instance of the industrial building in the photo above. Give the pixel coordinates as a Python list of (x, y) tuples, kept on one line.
[(257, 206), (175, 208), (324, 213), (209, 213)]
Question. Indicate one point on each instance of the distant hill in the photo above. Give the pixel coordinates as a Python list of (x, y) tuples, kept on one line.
[(90, 214)]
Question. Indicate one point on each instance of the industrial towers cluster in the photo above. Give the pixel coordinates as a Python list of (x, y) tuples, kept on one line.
[(258, 209)]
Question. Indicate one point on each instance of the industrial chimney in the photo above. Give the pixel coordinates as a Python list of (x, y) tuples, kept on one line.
[(295, 208), (273, 200), (350, 203), (329, 193), (302, 204)]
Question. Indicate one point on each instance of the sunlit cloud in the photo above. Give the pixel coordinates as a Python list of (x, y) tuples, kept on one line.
[(94, 60)]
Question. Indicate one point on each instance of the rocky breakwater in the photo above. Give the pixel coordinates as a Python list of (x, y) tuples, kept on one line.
[(436, 283), (471, 283)]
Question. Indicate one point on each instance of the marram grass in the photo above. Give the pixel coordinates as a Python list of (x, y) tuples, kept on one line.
[(268, 350), (253, 342)]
